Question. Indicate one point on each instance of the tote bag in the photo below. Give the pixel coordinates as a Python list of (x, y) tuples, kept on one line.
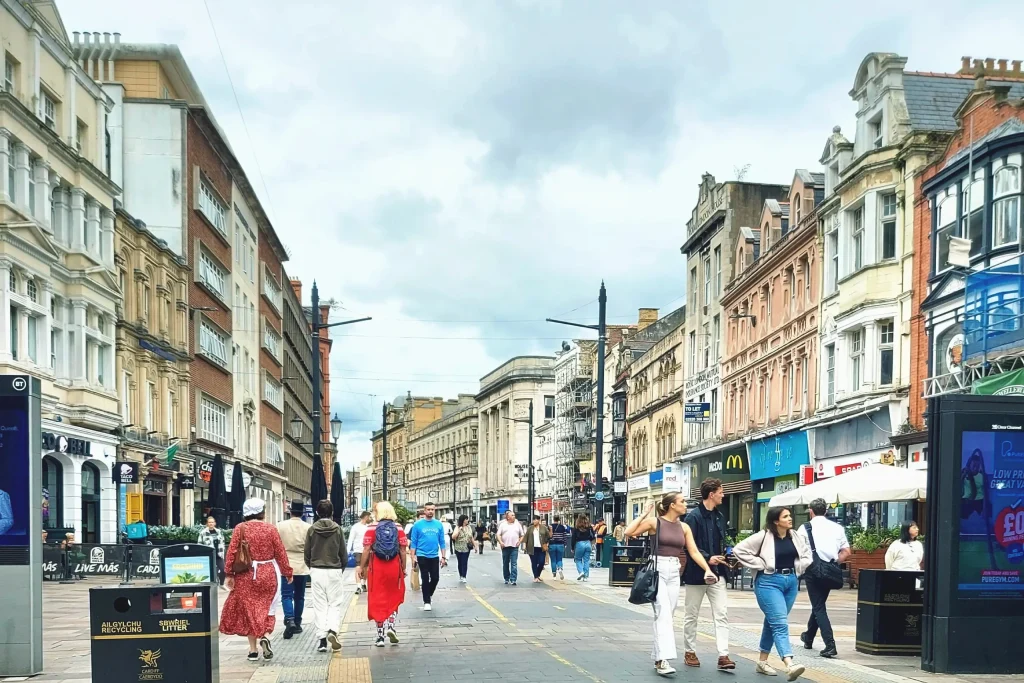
[(645, 583)]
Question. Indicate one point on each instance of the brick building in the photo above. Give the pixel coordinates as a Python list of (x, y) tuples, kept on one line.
[(965, 329)]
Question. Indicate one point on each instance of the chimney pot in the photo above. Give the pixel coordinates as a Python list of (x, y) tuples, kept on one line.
[(75, 33), (117, 38), (990, 64), (1002, 64), (965, 64), (1016, 66), (979, 65)]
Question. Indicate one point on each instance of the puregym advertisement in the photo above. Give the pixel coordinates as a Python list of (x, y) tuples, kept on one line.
[(14, 465), (992, 515)]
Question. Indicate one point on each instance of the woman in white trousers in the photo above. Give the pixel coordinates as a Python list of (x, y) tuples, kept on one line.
[(672, 537)]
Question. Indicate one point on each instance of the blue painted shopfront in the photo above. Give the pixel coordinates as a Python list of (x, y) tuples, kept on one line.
[(779, 455)]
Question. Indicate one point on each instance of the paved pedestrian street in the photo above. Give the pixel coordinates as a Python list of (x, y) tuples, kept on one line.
[(556, 632)]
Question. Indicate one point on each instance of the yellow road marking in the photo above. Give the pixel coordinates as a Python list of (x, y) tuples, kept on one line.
[(536, 643), (561, 608)]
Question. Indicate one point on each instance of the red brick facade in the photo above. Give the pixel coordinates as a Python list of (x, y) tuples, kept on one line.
[(205, 165), (983, 111)]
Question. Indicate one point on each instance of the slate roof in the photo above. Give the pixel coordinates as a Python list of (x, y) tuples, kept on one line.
[(660, 328), (932, 100), (777, 208), (809, 178)]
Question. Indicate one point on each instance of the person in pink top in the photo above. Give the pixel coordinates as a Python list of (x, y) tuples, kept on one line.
[(510, 535)]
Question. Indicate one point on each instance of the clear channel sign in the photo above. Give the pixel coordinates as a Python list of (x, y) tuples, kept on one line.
[(697, 413)]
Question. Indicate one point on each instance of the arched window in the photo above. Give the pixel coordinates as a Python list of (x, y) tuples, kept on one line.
[(1006, 206), (90, 532), (945, 227), (53, 493)]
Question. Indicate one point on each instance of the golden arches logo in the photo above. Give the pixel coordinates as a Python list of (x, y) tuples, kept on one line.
[(734, 462)]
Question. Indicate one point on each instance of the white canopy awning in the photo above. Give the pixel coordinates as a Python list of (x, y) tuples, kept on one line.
[(865, 485)]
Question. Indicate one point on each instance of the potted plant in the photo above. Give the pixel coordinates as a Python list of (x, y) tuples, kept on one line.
[(867, 550)]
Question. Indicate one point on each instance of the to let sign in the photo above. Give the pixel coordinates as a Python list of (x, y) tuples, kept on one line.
[(697, 413)]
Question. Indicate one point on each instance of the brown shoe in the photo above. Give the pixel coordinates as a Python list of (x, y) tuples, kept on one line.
[(726, 664), (690, 659)]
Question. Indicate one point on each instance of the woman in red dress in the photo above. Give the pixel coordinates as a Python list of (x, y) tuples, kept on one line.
[(251, 607), (385, 578)]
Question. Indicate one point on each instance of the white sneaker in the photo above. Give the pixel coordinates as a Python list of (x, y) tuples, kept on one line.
[(561, 576), (428, 608), (663, 668), (765, 669), (794, 672), (462, 580)]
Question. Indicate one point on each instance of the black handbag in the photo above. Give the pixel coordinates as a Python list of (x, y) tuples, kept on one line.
[(829, 574), (645, 583)]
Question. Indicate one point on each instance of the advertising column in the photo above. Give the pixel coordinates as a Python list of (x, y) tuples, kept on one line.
[(21, 611)]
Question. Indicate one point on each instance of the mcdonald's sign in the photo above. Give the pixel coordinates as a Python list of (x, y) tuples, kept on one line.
[(735, 462)]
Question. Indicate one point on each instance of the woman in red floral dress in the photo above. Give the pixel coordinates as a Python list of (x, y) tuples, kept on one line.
[(251, 607), (385, 584)]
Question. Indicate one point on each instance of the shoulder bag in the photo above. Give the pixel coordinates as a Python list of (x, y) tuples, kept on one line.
[(645, 583), (243, 556), (830, 574)]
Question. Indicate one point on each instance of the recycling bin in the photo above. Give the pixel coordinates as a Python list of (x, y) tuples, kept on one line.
[(889, 608), (624, 562), (162, 632)]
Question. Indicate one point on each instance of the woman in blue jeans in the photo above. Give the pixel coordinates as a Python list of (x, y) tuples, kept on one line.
[(582, 543), (556, 548), (779, 556)]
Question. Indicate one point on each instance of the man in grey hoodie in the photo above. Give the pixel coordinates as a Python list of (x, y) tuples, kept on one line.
[(326, 556)]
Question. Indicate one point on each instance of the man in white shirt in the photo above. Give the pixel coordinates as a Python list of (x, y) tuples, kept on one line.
[(510, 536), (355, 543), (831, 545)]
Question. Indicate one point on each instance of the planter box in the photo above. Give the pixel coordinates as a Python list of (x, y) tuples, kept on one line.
[(862, 559)]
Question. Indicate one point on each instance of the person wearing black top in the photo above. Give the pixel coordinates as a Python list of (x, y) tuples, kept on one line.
[(583, 545), (708, 526), (481, 529)]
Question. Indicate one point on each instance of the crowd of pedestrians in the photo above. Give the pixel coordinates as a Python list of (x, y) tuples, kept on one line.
[(264, 566)]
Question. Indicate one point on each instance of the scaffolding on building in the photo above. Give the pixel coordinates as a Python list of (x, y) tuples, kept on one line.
[(574, 417)]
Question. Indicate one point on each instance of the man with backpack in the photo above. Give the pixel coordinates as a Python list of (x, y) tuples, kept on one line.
[(326, 555), (428, 552)]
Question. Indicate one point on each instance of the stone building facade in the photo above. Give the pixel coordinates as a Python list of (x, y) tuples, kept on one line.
[(442, 459), (406, 415)]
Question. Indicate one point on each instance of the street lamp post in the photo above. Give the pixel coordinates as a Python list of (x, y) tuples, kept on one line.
[(529, 456), (384, 445), (602, 300)]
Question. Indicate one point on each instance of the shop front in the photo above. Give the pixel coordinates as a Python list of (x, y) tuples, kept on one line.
[(78, 490), (638, 495), (732, 466), (775, 463)]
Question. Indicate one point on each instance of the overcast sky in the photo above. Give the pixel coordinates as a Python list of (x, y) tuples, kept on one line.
[(462, 170)]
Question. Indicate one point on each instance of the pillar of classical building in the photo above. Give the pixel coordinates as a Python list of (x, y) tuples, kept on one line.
[(92, 228), (21, 176), (107, 240), (76, 352), (41, 177), (6, 191), (77, 222)]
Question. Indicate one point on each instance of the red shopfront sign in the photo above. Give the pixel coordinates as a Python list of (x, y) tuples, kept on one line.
[(542, 505)]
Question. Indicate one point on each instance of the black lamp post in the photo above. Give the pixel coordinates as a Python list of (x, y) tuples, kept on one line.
[(296, 428), (529, 457), (602, 300)]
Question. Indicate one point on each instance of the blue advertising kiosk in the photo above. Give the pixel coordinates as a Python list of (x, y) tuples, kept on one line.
[(974, 559), (21, 518)]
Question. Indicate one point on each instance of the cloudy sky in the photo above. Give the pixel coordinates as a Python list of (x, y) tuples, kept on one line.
[(462, 170)]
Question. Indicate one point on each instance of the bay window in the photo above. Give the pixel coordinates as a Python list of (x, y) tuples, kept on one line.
[(945, 227), (857, 238), (973, 221), (1006, 205), (886, 337), (888, 227), (856, 356)]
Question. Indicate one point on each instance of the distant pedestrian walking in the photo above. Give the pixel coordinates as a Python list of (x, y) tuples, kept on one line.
[(779, 556), (293, 595), (828, 540), (556, 547), (383, 563), (671, 539), (462, 545), (510, 535), (355, 544), (212, 537), (537, 542), (427, 543), (583, 546), (255, 561), (492, 530), (326, 554), (481, 536)]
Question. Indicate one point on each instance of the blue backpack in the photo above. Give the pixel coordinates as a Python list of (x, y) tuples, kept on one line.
[(385, 540)]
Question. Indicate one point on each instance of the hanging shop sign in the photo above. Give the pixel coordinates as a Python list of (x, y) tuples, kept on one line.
[(640, 481), (186, 483), (126, 473)]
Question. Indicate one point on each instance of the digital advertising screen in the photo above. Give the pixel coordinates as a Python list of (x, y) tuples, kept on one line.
[(14, 471), (991, 534), (195, 569)]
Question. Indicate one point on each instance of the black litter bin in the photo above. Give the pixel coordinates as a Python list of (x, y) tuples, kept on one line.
[(163, 632), (626, 559), (889, 607)]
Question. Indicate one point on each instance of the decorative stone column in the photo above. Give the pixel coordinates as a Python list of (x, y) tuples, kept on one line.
[(47, 326), (55, 217), (107, 237), (21, 177), (41, 176), (77, 225), (76, 352), (23, 352), (6, 192), (92, 228)]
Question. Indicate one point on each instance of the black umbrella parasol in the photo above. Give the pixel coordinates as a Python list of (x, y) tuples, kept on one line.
[(218, 497), (236, 499), (318, 483), (337, 493)]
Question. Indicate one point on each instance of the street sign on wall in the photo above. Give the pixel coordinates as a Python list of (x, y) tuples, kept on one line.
[(697, 413), (502, 506)]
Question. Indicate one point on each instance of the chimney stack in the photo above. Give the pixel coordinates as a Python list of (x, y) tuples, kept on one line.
[(991, 68), (646, 317)]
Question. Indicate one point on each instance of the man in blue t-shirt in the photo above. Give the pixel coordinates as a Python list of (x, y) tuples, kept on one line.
[(428, 552)]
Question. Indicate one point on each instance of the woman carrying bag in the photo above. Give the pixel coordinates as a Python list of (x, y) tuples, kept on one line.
[(779, 556), (672, 537)]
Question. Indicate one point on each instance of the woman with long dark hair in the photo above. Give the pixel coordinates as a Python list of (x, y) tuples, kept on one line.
[(583, 545), (972, 477), (462, 544), (251, 607), (906, 553), (673, 537), (779, 556)]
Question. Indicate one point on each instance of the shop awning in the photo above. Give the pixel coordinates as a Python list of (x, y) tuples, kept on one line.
[(864, 485)]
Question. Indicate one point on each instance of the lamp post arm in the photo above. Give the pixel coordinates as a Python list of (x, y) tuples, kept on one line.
[(571, 324), (343, 322)]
